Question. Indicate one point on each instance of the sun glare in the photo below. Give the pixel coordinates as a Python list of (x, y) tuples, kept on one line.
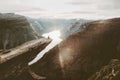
[(53, 35)]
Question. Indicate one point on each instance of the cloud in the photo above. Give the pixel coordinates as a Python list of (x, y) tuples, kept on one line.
[(109, 5), (99, 4), (19, 8), (62, 8), (84, 12), (82, 2), (80, 12), (78, 3)]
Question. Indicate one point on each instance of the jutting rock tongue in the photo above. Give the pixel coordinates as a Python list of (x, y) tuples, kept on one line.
[(14, 62), (19, 44)]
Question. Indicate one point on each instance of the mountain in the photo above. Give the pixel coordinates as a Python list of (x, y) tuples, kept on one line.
[(55, 24), (65, 26), (15, 30), (19, 44), (76, 27), (46, 25), (83, 53), (36, 26)]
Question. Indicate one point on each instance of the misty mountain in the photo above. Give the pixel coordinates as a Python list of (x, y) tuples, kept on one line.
[(48, 25), (55, 24), (66, 26), (76, 27)]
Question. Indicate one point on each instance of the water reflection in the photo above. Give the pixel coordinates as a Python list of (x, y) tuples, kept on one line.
[(55, 36)]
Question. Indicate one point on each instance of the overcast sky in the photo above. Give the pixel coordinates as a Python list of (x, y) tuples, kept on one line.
[(63, 8)]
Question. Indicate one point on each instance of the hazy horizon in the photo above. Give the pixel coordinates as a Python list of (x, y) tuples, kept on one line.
[(88, 9)]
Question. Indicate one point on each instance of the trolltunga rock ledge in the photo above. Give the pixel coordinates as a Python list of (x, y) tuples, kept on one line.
[(15, 61)]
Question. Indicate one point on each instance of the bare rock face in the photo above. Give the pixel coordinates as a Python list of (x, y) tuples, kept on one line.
[(15, 62), (15, 50), (108, 72), (14, 30), (83, 53)]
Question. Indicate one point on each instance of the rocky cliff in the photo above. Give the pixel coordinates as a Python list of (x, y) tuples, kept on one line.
[(108, 72), (19, 44), (14, 30), (82, 54)]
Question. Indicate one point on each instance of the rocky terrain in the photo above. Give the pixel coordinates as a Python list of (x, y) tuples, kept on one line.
[(15, 30), (91, 52), (19, 44), (83, 54), (108, 72)]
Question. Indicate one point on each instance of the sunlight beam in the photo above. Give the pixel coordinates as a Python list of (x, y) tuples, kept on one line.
[(55, 36)]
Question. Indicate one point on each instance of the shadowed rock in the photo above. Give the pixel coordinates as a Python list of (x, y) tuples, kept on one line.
[(83, 53), (15, 61), (14, 30), (108, 72)]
